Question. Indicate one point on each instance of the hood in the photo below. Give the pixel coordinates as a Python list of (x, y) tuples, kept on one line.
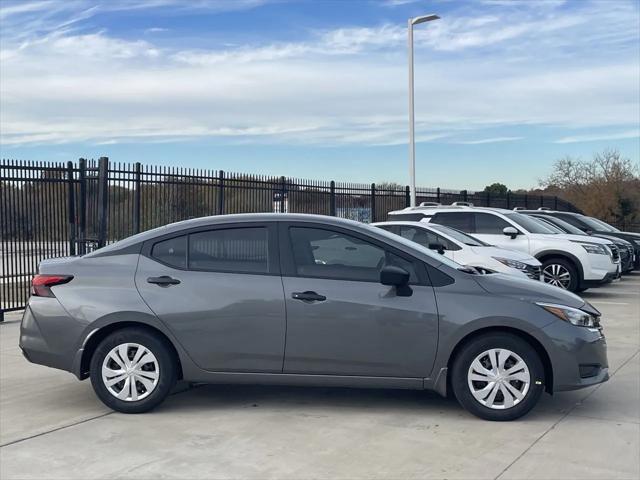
[(528, 290), (584, 239), (505, 253), (616, 240)]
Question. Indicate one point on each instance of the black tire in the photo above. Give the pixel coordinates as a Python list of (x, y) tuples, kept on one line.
[(480, 344), (574, 282), (166, 362)]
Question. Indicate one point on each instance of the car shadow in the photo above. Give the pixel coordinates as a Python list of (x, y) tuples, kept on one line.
[(323, 401)]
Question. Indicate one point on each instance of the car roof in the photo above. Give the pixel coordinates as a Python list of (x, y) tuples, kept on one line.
[(456, 208), (223, 219)]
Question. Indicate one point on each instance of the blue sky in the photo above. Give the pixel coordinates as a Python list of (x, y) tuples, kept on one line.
[(318, 89)]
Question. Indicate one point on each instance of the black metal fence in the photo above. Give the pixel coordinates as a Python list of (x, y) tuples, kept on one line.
[(57, 209)]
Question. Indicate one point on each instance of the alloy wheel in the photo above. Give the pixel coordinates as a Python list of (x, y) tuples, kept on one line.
[(499, 378), (130, 372), (557, 275)]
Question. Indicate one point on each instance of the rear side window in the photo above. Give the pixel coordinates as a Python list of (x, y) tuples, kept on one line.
[(489, 224), (330, 254), (172, 252), (232, 250), (460, 220)]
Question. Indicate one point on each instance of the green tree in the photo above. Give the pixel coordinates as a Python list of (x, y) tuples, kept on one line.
[(498, 189)]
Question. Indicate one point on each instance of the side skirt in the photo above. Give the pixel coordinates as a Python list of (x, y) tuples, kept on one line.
[(308, 380)]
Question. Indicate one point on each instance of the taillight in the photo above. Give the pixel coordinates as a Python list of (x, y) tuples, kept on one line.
[(41, 284)]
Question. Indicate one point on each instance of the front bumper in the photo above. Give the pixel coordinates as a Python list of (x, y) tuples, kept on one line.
[(578, 356), (608, 278)]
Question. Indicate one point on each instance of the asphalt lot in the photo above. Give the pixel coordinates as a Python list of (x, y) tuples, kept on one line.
[(52, 426)]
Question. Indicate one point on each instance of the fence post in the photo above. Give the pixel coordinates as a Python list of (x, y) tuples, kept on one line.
[(332, 198), (82, 204), (509, 200), (438, 194), (373, 202), (103, 199), (283, 191), (541, 201), (464, 196), (221, 192), (136, 200), (555, 202), (488, 199), (71, 209), (407, 196)]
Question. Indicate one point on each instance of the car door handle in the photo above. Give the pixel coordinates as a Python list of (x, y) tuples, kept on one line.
[(308, 296), (163, 281)]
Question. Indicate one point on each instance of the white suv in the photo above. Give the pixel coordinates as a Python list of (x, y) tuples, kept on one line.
[(568, 261)]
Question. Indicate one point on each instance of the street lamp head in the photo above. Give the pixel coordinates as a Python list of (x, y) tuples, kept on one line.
[(423, 18)]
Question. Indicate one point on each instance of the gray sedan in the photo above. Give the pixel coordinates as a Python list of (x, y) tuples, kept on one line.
[(305, 300)]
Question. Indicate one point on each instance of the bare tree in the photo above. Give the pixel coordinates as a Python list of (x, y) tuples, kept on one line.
[(608, 186)]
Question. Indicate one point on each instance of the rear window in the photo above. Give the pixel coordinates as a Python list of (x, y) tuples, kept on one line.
[(458, 220), (173, 252), (232, 250)]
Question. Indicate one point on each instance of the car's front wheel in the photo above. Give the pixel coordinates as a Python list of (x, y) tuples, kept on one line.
[(133, 370), (497, 376), (560, 273)]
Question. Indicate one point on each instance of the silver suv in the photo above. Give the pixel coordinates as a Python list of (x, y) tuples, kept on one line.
[(305, 300)]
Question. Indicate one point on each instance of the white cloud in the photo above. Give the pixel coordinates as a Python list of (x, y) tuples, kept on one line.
[(490, 140), (344, 86), (600, 136)]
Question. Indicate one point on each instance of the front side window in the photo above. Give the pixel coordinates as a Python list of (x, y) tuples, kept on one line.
[(489, 224), (232, 250), (173, 251), (330, 254), (459, 220), (531, 225), (426, 238)]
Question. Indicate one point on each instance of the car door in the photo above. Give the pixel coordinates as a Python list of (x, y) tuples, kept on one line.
[(485, 226), (490, 228), (227, 307), (340, 319)]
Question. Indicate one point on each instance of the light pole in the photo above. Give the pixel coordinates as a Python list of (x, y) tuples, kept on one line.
[(412, 135)]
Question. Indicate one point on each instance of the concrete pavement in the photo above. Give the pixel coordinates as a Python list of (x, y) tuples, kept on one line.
[(52, 426)]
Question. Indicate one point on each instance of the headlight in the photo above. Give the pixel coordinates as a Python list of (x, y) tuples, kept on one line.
[(594, 248), (512, 263), (572, 315)]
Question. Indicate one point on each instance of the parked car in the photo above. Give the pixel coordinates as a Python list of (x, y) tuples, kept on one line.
[(568, 261), (624, 248), (465, 249), (592, 225), (305, 300)]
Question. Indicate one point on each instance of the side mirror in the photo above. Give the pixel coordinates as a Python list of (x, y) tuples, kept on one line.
[(437, 246), (396, 277), (510, 232)]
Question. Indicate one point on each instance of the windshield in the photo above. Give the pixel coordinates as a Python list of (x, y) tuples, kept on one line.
[(561, 224), (458, 235), (530, 224), (416, 246), (549, 225), (602, 225)]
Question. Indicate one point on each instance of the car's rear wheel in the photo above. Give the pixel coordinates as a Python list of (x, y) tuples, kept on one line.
[(498, 377), (560, 273), (133, 370)]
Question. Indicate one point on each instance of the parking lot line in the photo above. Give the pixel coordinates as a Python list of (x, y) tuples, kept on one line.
[(602, 302)]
